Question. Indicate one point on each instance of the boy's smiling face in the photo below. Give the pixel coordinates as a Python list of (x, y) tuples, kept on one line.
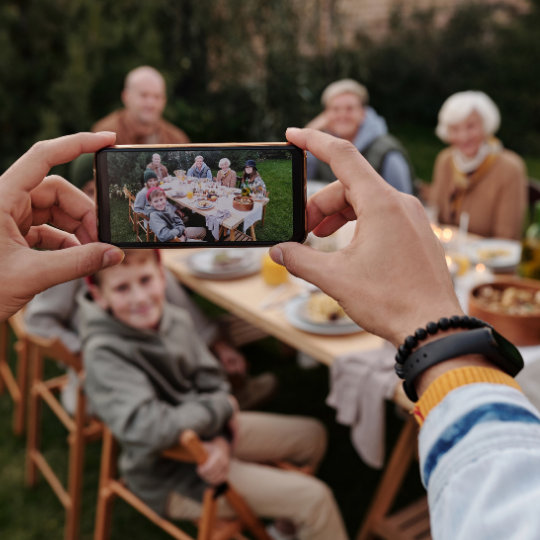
[(134, 291), (158, 201)]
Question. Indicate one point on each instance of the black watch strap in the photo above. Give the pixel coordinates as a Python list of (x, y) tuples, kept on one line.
[(484, 341)]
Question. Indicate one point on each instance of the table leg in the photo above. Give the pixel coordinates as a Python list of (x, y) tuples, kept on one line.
[(252, 229), (231, 237)]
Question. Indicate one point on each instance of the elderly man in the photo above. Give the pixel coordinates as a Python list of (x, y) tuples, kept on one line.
[(140, 122), (158, 168), (200, 169), (347, 115)]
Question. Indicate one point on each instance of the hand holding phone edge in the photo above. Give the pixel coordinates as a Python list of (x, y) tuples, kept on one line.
[(393, 277), (48, 214)]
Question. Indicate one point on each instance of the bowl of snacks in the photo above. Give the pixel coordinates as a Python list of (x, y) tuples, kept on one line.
[(511, 306), (244, 204)]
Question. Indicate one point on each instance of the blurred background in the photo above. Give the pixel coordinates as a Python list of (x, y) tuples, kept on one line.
[(241, 70)]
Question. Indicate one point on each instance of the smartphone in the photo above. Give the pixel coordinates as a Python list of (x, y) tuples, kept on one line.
[(205, 195)]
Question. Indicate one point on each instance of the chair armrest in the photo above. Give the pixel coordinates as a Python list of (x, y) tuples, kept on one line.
[(190, 449)]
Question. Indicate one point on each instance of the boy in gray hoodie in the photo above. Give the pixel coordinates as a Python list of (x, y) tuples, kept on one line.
[(165, 221), (149, 377)]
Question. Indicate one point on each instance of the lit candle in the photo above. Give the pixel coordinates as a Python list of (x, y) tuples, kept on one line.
[(447, 235)]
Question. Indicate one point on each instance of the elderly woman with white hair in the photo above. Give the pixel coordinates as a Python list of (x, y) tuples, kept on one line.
[(226, 176), (476, 174)]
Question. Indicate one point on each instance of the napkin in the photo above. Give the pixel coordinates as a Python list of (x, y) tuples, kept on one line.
[(361, 382), (213, 221)]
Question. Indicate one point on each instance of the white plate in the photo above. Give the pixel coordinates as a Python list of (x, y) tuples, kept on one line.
[(510, 257), (212, 204), (294, 310), (202, 265)]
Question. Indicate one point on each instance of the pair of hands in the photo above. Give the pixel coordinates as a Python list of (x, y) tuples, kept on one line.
[(215, 469)]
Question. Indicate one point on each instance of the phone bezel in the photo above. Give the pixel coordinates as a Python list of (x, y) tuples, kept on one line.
[(298, 188)]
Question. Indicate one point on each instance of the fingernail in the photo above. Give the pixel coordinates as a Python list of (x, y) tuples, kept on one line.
[(277, 255), (293, 128), (106, 133), (112, 257)]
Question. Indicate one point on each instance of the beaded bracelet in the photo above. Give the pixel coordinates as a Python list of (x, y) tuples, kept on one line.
[(411, 342)]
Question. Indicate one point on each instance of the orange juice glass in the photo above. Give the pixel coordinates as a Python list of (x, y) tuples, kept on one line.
[(272, 273), (190, 194)]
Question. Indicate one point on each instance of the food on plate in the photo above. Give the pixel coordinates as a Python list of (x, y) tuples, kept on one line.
[(224, 260), (213, 198), (494, 253), (321, 308), (203, 203), (509, 301)]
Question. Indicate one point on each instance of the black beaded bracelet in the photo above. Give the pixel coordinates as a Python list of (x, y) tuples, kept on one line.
[(411, 342)]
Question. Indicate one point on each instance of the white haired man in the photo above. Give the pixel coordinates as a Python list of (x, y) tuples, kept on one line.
[(140, 122), (475, 174), (158, 167), (347, 116), (200, 169), (226, 176)]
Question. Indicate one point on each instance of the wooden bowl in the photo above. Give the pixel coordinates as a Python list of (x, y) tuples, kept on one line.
[(244, 204), (521, 330)]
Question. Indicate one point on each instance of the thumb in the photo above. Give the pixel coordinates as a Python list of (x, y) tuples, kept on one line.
[(54, 267), (306, 263)]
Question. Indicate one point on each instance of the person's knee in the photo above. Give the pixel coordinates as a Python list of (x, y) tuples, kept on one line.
[(316, 434)]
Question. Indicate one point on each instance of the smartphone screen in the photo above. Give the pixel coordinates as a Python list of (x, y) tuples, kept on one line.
[(201, 196)]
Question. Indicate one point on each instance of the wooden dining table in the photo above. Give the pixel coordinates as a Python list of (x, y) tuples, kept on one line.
[(231, 223), (242, 297)]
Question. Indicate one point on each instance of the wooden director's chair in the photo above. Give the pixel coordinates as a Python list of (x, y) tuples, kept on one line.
[(411, 522), (138, 220), (81, 429), (209, 526), (16, 384)]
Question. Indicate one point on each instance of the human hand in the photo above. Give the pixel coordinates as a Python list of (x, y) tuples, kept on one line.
[(30, 204), (182, 238), (392, 278), (233, 361), (215, 469)]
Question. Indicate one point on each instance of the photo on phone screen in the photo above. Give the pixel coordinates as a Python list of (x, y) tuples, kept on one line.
[(207, 195)]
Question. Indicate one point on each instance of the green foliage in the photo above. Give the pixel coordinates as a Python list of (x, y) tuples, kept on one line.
[(234, 69)]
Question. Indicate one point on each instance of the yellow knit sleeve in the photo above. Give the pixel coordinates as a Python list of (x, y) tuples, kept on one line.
[(451, 380)]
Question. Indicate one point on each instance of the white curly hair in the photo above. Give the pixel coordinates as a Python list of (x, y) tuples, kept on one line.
[(458, 106)]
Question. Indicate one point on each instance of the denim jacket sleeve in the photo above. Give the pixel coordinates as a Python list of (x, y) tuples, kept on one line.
[(480, 462)]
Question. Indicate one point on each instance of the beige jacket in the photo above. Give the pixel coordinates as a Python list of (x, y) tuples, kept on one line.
[(496, 203), (229, 180)]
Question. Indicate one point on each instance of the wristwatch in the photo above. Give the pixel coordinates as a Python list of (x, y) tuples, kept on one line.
[(484, 341)]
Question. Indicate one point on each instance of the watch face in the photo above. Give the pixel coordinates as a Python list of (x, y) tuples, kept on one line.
[(510, 352)]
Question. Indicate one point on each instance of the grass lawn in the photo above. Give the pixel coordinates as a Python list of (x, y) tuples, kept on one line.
[(278, 223)]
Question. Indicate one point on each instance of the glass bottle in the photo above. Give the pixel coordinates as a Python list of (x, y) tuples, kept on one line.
[(529, 266)]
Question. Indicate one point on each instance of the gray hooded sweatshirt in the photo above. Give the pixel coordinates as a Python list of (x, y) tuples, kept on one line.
[(148, 387), (167, 224)]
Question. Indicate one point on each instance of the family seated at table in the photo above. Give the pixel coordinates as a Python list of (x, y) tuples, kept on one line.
[(149, 377)]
